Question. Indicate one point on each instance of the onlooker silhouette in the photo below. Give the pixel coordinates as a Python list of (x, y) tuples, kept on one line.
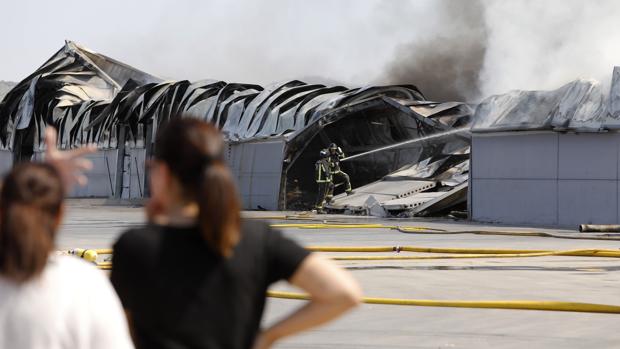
[(196, 275), (47, 300)]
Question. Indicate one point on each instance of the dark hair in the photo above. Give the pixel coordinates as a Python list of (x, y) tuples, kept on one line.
[(193, 150), (30, 202)]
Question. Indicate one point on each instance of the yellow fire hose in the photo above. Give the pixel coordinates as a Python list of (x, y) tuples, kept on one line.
[(591, 253), (463, 252), (470, 251), (91, 254), (519, 305), (332, 226), (420, 230), (87, 254), (514, 304), (426, 230), (511, 304), (583, 253), (304, 217)]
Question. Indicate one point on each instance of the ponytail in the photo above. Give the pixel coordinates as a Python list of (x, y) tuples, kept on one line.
[(193, 151), (29, 207), (25, 242), (219, 205)]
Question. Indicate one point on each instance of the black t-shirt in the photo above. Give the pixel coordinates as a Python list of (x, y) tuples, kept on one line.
[(182, 295)]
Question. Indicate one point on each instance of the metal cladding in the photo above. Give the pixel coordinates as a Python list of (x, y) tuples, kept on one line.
[(90, 97), (579, 105), (87, 95), (434, 180), (364, 126)]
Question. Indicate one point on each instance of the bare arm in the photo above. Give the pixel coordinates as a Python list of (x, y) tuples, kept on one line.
[(333, 292)]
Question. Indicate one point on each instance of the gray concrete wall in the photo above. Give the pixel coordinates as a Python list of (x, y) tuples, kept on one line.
[(6, 161), (257, 166), (133, 176), (101, 178), (545, 178)]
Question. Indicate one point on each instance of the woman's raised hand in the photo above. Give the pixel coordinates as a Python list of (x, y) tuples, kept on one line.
[(70, 164)]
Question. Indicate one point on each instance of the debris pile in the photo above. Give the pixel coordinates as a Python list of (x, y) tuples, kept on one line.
[(434, 183)]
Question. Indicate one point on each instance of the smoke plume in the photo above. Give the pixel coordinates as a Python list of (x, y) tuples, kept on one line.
[(483, 47), (545, 44), (451, 49), (445, 59)]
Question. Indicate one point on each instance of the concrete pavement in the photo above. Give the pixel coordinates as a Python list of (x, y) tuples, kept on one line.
[(579, 279)]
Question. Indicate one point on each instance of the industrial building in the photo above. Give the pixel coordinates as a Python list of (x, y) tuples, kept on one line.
[(537, 157), (274, 133), (548, 158)]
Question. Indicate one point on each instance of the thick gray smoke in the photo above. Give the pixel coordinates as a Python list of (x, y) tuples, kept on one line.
[(451, 49), (343, 42), (445, 59), (544, 44), (483, 47)]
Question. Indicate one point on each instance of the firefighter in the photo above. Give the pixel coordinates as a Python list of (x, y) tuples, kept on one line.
[(335, 155), (323, 179)]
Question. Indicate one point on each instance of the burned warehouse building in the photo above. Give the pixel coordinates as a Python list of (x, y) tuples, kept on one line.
[(405, 155), (274, 133)]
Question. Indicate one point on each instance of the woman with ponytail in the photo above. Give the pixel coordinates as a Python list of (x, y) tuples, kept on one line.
[(47, 300), (196, 275)]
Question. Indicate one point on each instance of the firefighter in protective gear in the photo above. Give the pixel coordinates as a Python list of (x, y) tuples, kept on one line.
[(335, 155), (323, 179)]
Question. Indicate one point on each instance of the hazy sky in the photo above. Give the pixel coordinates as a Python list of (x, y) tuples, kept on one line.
[(246, 41), (523, 44)]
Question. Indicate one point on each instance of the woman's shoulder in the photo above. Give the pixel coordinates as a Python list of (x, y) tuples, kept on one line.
[(63, 262), (142, 236), (73, 268)]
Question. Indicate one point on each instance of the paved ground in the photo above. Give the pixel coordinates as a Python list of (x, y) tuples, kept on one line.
[(580, 279)]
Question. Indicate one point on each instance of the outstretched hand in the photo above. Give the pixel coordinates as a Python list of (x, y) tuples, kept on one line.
[(70, 164)]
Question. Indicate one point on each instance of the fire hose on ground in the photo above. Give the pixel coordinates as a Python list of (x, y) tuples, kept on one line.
[(430, 231), (581, 253), (415, 230), (477, 304), (506, 304), (91, 254)]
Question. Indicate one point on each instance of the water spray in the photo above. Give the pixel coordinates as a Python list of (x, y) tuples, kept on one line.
[(411, 141)]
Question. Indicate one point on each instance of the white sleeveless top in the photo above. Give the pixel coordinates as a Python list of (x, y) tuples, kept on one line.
[(71, 305)]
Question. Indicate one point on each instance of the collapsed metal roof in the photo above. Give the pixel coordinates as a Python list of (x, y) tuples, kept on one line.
[(86, 95), (5, 87), (580, 105), (430, 171), (89, 96)]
